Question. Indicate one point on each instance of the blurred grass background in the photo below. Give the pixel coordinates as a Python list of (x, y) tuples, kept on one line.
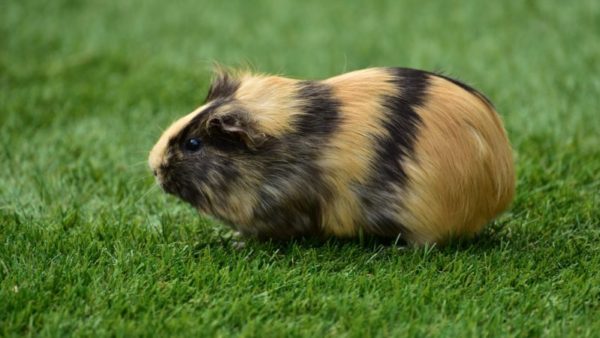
[(88, 247)]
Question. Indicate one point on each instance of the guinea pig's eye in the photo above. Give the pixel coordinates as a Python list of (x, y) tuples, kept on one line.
[(192, 144)]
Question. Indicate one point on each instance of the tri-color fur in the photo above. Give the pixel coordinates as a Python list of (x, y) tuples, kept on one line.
[(384, 151)]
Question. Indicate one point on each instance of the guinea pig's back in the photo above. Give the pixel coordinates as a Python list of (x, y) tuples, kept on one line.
[(417, 153)]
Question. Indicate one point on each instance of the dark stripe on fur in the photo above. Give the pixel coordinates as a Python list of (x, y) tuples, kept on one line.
[(321, 110), (402, 124)]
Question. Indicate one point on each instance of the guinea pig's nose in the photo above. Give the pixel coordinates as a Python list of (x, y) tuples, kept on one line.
[(154, 172)]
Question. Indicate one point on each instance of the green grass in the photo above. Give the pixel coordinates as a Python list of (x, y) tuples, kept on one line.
[(89, 247)]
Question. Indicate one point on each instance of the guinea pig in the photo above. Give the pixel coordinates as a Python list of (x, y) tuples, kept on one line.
[(388, 152)]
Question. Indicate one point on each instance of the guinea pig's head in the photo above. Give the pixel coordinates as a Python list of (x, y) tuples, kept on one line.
[(218, 158)]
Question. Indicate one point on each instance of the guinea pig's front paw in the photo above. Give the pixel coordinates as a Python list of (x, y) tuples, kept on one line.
[(238, 245), (237, 242)]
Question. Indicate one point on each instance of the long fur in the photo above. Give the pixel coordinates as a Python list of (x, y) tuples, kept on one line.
[(384, 151)]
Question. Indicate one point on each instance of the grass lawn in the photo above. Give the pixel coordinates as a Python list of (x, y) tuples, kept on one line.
[(88, 245)]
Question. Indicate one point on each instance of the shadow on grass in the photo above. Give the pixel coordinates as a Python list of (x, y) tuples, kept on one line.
[(490, 239)]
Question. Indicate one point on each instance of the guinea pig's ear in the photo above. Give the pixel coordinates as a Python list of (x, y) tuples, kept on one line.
[(237, 126)]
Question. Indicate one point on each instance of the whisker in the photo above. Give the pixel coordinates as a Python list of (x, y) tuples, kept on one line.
[(151, 189), (136, 164), (141, 151), (139, 179)]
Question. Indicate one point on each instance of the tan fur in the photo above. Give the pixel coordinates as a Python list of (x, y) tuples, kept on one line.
[(462, 173), (271, 100), (349, 154)]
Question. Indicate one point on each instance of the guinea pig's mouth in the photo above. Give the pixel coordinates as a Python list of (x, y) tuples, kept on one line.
[(163, 185), (163, 181), (180, 188), (186, 192), (167, 185)]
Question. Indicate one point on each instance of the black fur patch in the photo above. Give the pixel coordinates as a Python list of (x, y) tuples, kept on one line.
[(222, 87), (321, 110), (219, 173), (402, 124)]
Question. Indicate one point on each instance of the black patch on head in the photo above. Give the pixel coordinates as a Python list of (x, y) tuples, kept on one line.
[(211, 165), (466, 87), (198, 128), (402, 123), (222, 87)]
